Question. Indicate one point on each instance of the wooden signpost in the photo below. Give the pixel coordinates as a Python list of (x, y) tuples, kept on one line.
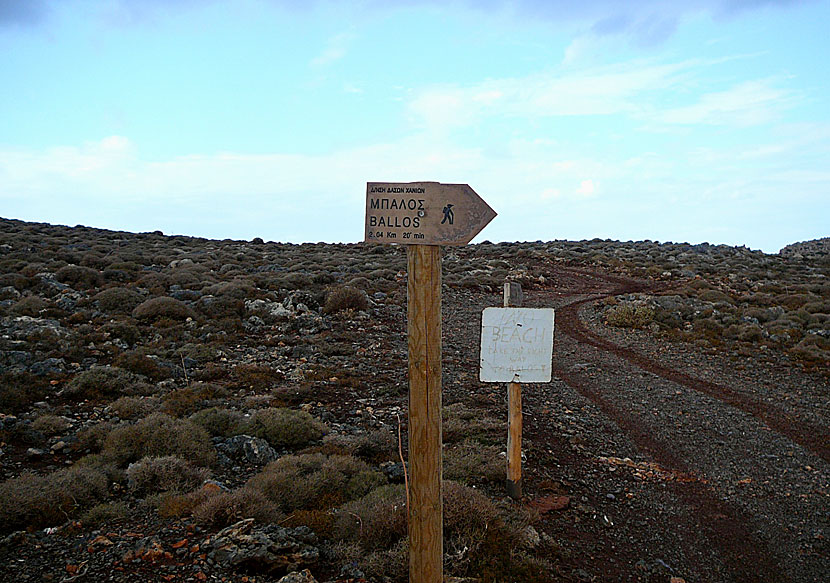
[(516, 347), (424, 216)]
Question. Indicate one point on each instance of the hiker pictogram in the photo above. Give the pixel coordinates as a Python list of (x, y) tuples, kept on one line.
[(449, 217)]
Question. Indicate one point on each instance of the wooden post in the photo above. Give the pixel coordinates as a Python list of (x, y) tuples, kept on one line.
[(514, 440), (513, 297), (426, 530), (512, 294)]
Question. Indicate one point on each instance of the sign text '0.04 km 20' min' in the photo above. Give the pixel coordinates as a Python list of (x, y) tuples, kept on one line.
[(424, 213)]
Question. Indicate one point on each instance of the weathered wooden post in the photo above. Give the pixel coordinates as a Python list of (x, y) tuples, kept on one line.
[(424, 215), (425, 461), (513, 297)]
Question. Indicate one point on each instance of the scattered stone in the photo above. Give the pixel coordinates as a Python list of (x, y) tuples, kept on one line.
[(298, 577), (394, 471), (147, 549), (253, 450), (264, 549)]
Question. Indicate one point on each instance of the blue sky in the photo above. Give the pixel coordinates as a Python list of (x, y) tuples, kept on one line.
[(705, 120)]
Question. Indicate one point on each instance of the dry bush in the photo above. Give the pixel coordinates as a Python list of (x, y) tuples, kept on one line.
[(812, 349), (461, 422), (218, 421), (255, 376), (221, 307), (138, 362), (19, 390), (105, 513), (390, 563), (190, 399), (117, 300), (51, 424), (481, 540), (37, 501), (159, 435), (124, 331), (226, 508), (32, 306), (169, 473), (470, 462), (155, 283), (102, 382), (92, 437), (345, 298), (376, 521), (236, 289), (629, 316), (315, 481), (376, 446), (163, 307), (79, 277), (135, 407), (283, 427)]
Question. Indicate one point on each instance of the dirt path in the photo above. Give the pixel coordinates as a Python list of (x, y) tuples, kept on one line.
[(725, 481)]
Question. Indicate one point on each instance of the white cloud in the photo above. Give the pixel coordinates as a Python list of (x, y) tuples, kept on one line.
[(586, 188), (538, 192), (745, 104), (630, 89), (599, 91), (335, 50)]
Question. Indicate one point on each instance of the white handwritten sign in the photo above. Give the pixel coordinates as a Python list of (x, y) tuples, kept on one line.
[(516, 345)]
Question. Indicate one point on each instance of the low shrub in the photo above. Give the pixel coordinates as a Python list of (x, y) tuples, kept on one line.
[(461, 423), (51, 424), (135, 407), (226, 508), (151, 475), (218, 421), (376, 446), (470, 462), (190, 399), (103, 513), (124, 331), (79, 277), (283, 427), (221, 307), (159, 435), (37, 501), (375, 521), (315, 481), (138, 362), (481, 540), (117, 300), (629, 316), (102, 382), (345, 298), (163, 307), (255, 376), (32, 306), (92, 437), (18, 390)]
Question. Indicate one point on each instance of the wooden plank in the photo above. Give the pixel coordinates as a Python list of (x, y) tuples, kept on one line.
[(514, 440), (425, 463)]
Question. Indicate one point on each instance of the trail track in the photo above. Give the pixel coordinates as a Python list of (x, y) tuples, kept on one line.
[(743, 449)]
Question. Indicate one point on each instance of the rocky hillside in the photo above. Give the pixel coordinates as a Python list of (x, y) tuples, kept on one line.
[(177, 408)]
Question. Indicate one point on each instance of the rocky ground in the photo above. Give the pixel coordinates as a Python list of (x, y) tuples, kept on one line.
[(180, 409)]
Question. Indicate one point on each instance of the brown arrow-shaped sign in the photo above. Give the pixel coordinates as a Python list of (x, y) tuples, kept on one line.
[(424, 213)]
